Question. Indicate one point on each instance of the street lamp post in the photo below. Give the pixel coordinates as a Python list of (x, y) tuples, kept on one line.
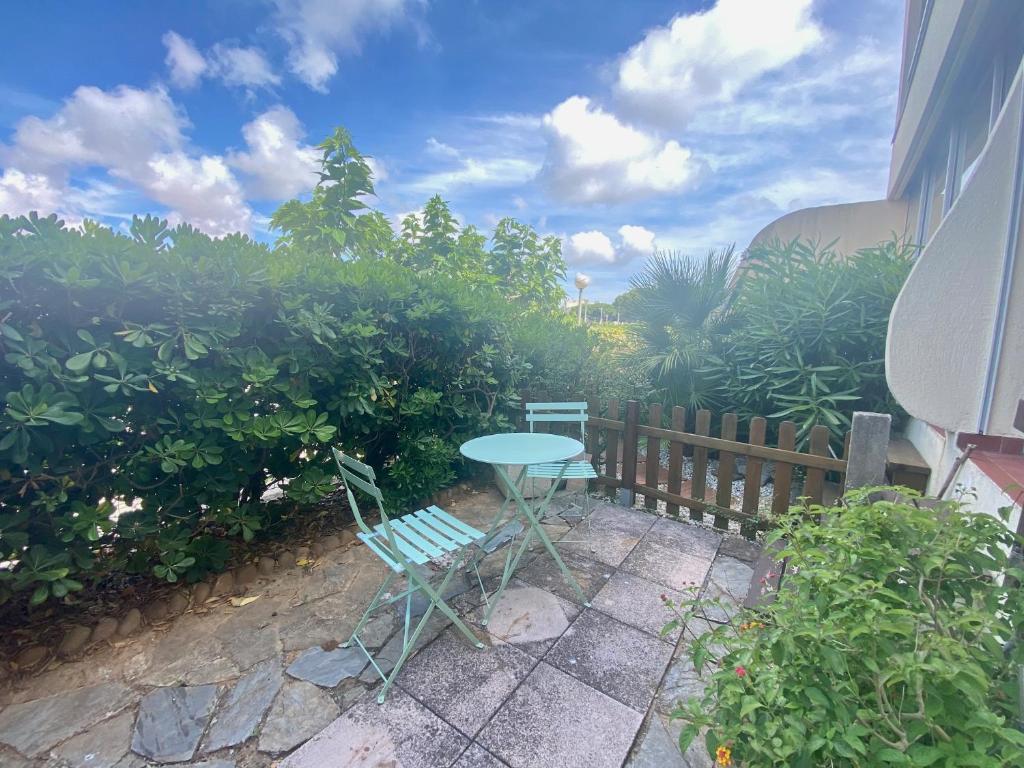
[(582, 281)]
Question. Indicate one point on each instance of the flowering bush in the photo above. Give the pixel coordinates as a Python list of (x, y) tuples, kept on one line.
[(895, 640)]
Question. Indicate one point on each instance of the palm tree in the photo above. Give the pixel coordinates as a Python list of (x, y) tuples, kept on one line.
[(681, 307)]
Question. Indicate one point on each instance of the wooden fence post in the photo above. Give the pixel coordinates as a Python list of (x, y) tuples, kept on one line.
[(593, 445), (726, 470), (675, 459), (752, 478), (629, 446), (699, 482), (653, 462), (783, 471), (814, 483)]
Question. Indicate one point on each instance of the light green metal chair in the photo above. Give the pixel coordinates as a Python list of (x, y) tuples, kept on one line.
[(405, 544), (539, 413)]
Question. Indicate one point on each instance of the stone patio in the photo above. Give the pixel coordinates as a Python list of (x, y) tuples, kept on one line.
[(265, 683)]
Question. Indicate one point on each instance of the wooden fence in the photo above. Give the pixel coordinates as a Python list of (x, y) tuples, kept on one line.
[(615, 437)]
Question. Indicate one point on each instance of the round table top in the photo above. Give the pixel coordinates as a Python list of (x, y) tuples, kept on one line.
[(521, 448)]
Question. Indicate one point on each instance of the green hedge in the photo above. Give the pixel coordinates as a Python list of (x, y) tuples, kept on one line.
[(182, 375)]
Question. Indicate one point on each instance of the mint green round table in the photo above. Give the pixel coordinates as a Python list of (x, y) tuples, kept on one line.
[(523, 448)]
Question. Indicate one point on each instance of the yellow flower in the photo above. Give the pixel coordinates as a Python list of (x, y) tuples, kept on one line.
[(723, 756)]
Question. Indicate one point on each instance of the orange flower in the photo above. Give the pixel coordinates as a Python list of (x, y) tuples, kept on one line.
[(723, 756)]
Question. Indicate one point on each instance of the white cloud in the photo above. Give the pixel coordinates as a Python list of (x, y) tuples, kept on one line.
[(589, 247), (276, 164), (246, 67), (23, 192), (232, 64), (594, 157), (186, 63), (317, 31), (707, 57), (134, 135), (440, 149), (636, 240), (486, 172), (595, 247)]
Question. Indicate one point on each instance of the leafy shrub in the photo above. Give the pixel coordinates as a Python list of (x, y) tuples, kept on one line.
[(612, 368), (895, 640), (807, 334), (181, 375)]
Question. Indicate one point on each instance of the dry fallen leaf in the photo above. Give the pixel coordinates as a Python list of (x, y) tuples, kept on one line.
[(238, 602)]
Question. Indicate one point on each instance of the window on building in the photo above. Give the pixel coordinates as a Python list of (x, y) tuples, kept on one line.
[(936, 194), (974, 127)]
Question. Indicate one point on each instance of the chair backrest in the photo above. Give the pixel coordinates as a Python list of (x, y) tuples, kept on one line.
[(537, 413), (355, 474)]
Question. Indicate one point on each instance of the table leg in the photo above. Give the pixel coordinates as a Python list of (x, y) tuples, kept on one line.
[(535, 528)]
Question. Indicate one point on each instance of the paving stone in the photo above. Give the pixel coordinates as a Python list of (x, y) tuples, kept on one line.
[(728, 581), (327, 668), (622, 519), (543, 572), (529, 618), (463, 684), (637, 602), (694, 540), (243, 708), (656, 748), (212, 764), (399, 732), (36, 726), (11, 759), (503, 536), (612, 657), (171, 721), (477, 757), (600, 542), (696, 755), (101, 746), (300, 711), (741, 549), (554, 719), (387, 656), (666, 565), (185, 655)]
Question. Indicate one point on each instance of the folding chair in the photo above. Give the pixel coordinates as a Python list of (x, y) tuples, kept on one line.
[(537, 413), (429, 535)]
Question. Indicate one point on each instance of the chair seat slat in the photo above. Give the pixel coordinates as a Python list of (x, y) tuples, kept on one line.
[(555, 406), (454, 522), (405, 545), (442, 540), (409, 533), (382, 552), (543, 417), (428, 518)]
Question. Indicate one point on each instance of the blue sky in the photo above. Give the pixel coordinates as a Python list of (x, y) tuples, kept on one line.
[(620, 127)]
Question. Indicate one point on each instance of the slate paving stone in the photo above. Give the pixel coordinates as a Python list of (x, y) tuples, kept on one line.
[(728, 581), (666, 565), (615, 658), (101, 746), (553, 719), (527, 617), (543, 572), (186, 656), (300, 711), (244, 706), (171, 721), (741, 549), (694, 540), (622, 519), (34, 727), (387, 656), (636, 601), (462, 684), (682, 682), (478, 757), (399, 732), (327, 668), (655, 747)]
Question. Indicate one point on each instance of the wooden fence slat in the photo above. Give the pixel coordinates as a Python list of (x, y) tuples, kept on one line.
[(675, 459), (814, 484), (699, 483), (726, 470), (684, 501), (611, 451), (783, 471), (653, 462), (629, 445), (825, 462), (752, 477)]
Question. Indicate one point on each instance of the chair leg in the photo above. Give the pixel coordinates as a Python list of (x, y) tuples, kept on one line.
[(374, 604)]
